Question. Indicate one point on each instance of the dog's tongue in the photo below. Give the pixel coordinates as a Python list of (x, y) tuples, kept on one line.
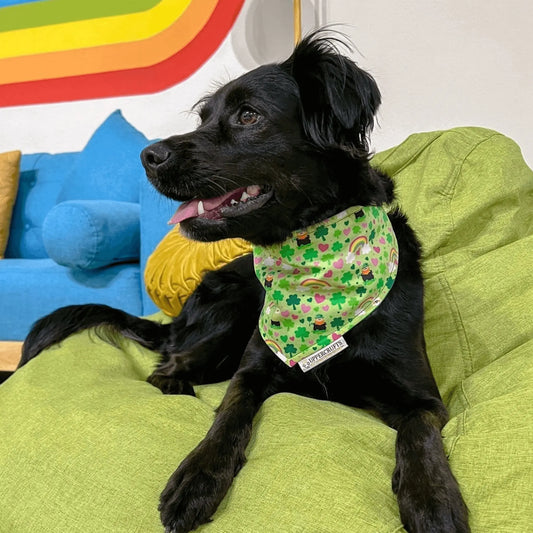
[(190, 209)]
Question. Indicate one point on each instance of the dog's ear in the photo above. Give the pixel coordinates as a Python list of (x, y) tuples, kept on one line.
[(338, 99)]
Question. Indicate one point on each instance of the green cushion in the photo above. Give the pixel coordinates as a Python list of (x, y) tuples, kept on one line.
[(469, 196), (87, 445)]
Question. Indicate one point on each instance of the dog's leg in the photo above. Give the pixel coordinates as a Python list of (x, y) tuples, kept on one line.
[(212, 359), (408, 399), (209, 336), (394, 378), (428, 494), (196, 488)]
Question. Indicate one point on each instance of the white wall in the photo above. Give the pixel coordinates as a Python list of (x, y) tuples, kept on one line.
[(439, 64), (445, 63)]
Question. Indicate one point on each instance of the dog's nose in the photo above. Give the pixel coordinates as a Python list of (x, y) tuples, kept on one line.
[(154, 156)]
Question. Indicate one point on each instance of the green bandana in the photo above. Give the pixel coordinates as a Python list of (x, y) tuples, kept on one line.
[(323, 281)]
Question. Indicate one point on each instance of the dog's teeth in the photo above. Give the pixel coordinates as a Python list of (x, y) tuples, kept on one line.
[(253, 190), (234, 202), (201, 209), (244, 196)]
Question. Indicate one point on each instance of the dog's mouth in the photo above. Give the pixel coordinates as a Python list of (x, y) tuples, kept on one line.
[(232, 204)]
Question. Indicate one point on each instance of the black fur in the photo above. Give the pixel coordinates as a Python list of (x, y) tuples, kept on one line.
[(298, 130)]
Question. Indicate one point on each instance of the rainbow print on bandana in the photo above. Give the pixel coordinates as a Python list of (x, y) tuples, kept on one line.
[(313, 282), (352, 258), (366, 305), (275, 347), (359, 245), (393, 259)]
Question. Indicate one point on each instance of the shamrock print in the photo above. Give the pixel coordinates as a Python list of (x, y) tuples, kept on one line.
[(293, 301), (324, 279), (287, 252)]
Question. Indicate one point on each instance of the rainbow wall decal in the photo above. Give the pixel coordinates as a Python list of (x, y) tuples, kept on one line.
[(60, 50)]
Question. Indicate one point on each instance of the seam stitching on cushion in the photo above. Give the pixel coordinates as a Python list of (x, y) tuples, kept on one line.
[(458, 321), (415, 156), (450, 193), (94, 241), (464, 397), (451, 447), (34, 167)]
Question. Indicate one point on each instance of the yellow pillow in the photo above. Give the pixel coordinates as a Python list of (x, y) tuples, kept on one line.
[(9, 182), (176, 266)]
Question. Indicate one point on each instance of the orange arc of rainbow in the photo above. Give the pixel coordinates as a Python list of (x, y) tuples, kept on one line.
[(112, 57)]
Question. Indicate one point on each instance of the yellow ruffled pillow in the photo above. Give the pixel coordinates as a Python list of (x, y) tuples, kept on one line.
[(9, 182), (176, 267)]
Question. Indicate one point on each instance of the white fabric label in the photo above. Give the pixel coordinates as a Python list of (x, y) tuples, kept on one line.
[(323, 355)]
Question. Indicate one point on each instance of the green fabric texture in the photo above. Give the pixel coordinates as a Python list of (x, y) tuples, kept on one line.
[(87, 445)]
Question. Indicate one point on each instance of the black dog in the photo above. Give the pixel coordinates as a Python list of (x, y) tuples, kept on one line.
[(281, 149)]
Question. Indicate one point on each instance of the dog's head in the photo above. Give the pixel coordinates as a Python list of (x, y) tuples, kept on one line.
[(280, 148)]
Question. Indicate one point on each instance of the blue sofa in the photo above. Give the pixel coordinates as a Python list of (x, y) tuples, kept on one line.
[(83, 226)]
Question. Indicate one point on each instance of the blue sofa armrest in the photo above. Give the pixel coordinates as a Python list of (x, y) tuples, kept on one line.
[(89, 234)]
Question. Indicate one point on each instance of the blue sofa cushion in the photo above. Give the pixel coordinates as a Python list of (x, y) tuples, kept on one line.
[(109, 167), (88, 234), (41, 178), (34, 288)]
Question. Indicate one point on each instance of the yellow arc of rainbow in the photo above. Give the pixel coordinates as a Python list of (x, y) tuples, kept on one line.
[(90, 33)]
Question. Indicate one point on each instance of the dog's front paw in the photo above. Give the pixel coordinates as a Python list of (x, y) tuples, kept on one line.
[(194, 492), (431, 508), (169, 384)]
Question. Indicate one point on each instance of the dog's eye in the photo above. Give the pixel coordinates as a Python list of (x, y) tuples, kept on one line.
[(247, 117)]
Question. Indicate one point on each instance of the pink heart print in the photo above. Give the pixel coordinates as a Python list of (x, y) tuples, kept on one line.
[(339, 264)]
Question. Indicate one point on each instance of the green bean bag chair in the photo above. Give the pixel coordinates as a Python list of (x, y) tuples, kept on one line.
[(86, 445)]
